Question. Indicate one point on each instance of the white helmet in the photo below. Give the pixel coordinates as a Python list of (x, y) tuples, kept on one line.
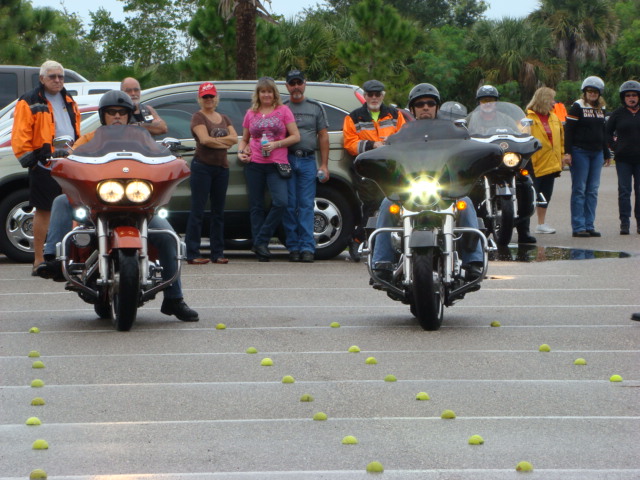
[(593, 82)]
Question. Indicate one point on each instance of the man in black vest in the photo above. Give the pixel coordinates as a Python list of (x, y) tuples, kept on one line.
[(145, 115)]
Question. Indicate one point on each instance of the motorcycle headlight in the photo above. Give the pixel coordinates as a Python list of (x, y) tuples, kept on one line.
[(425, 191), (511, 159), (110, 191), (138, 191)]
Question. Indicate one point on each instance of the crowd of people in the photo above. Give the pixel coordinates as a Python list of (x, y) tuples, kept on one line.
[(278, 146)]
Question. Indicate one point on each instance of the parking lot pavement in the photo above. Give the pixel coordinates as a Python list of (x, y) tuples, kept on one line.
[(170, 400)]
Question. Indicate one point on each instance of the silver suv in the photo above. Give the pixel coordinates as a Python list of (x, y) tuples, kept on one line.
[(336, 205)]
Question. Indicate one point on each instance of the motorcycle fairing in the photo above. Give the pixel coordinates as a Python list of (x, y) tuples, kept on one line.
[(125, 237)]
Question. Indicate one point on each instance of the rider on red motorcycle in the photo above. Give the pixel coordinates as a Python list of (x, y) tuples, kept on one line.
[(116, 108)]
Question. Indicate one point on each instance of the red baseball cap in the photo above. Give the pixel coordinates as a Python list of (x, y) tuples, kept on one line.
[(207, 88)]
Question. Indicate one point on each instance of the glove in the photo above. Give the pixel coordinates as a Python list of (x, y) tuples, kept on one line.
[(60, 153)]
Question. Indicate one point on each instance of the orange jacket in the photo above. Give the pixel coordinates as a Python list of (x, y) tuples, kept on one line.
[(561, 111), (34, 127), (360, 131)]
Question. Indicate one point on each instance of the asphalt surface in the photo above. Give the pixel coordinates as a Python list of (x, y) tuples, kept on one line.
[(170, 400)]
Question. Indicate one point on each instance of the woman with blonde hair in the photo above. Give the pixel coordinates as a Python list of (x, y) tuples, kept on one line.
[(270, 119), (547, 162)]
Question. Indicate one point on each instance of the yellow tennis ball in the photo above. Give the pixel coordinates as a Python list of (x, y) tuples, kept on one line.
[(375, 467), (334, 325), (524, 467), (34, 354), (37, 401), (320, 416), (306, 398), (476, 440), (423, 396), (615, 378), (34, 330), (33, 421), (40, 445), (349, 440), (37, 383), (252, 350), (371, 361), (221, 326), (448, 414), (266, 362), (354, 349), (544, 348), (495, 323), (38, 364), (37, 474), (288, 379), (390, 378), (579, 361)]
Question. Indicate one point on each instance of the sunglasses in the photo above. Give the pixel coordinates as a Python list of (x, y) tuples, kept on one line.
[(53, 76), (634, 94), (295, 82), (488, 100), (116, 111), (591, 90), (422, 103), (373, 94), (207, 97)]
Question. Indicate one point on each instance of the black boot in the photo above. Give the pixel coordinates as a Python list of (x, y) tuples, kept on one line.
[(177, 307), (523, 232)]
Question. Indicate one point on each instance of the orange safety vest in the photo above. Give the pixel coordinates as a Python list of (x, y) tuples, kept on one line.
[(360, 131)]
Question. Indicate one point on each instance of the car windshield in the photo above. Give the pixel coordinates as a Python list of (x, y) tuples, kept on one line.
[(498, 118), (121, 138)]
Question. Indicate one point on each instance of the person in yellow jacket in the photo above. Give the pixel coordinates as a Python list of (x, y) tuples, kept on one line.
[(366, 128), (546, 162), (41, 115)]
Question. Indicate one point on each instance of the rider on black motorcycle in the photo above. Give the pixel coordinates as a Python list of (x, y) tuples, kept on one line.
[(116, 108), (424, 102)]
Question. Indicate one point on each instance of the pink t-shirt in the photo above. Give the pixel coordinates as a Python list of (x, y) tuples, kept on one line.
[(275, 126)]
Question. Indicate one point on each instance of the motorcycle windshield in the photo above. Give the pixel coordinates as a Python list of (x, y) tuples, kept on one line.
[(437, 149), (121, 138), (498, 118)]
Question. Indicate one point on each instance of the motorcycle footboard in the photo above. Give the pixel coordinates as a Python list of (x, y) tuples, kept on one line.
[(368, 250), (61, 248)]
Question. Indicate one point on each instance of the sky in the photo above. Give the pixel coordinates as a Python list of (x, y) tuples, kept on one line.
[(289, 8)]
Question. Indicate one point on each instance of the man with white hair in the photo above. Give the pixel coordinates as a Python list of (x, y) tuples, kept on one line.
[(41, 115)]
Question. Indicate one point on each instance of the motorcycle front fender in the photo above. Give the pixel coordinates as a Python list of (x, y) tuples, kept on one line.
[(422, 238), (125, 237)]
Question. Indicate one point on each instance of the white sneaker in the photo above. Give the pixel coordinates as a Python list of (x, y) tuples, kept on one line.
[(544, 228)]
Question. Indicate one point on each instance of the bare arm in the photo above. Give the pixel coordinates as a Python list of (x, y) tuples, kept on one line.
[(216, 142), (156, 127), (244, 151), (323, 144)]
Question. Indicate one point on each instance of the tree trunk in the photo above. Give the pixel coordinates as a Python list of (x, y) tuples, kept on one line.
[(246, 62)]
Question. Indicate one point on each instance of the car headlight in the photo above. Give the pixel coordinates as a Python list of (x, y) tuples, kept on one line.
[(511, 159), (138, 191), (425, 191), (110, 191)]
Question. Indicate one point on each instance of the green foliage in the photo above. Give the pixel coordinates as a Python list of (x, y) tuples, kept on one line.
[(22, 31), (568, 91)]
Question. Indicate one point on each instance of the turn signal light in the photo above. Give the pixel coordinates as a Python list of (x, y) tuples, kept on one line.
[(524, 172), (394, 209), (461, 205)]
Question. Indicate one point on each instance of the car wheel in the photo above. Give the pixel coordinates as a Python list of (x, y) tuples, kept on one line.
[(16, 238), (333, 222)]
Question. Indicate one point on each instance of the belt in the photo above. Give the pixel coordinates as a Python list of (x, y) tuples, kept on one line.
[(302, 153)]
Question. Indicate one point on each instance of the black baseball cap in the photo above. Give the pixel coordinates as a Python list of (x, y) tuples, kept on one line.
[(295, 75), (373, 86)]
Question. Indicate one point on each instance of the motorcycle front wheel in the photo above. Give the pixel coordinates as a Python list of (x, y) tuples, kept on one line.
[(504, 221), (125, 288), (428, 290)]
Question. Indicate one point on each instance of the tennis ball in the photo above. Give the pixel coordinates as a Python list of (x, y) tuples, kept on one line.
[(371, 361), (34, 354), (266, 362), (349, 440), (448, 414), (495, 323), (37, 401), (252, 350), (390, 378), (37, 383), (476, 440), (354, 349), (544, 348), (423, 396), (580, 361), (334, 325), (288, 379), (320, 416), (37, 474), (33, 421), (40, 445), (615, 378), (524, 467), (375, 467), (306, 398), (34, 330), (221, 326), (38, 364)]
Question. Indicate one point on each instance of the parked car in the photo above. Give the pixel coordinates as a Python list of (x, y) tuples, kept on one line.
[(336, 206), (76, 89)]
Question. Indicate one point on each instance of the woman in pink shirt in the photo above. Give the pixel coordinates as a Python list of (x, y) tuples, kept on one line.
[(267, 117)]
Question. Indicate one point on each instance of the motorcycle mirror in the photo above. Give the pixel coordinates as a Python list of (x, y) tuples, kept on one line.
[(526, 122), (63, 141), (460, 122)]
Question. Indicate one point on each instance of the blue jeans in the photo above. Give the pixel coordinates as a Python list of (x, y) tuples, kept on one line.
[(628, 174), (207, 182), (383, 251), (586, 166), (62, 222), (261, 176), (298, 219)]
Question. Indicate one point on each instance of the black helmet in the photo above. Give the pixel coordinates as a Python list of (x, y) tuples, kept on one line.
[(487, 91), (423, 90), (452, 111), (115, 98), (629, 86), (593, 82)]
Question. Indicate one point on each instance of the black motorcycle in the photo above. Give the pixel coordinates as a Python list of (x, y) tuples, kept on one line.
[(504, 196), (424, 171)]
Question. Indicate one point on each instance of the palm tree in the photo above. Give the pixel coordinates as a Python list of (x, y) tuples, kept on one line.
[(582, 30)]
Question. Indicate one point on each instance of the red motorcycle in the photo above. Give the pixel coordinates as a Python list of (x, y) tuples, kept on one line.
[(115, 184)]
